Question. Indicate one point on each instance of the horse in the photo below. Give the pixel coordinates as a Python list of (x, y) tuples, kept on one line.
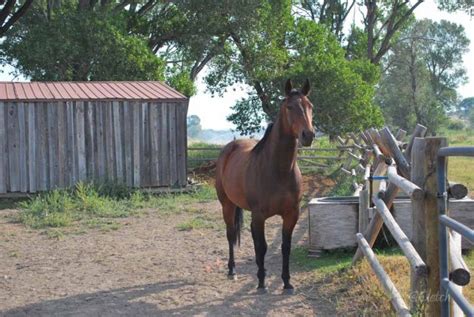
[(265, 179)]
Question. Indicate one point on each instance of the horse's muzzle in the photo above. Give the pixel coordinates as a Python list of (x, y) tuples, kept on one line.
[(307, 138)]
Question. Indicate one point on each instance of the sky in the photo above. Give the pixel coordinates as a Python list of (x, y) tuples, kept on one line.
[(213, 111)]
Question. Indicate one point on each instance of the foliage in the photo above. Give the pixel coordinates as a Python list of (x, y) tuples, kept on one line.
[(465, 107), (299, 49), (456, 124), (194, 125), (10, 12), (453, 5), (422, 74), (73, 44)]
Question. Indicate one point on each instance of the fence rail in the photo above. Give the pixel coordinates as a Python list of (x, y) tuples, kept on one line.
[(388, 169), (308, 156), (459, 275)]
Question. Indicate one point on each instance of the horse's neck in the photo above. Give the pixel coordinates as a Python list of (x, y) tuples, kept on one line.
[(282, 148)]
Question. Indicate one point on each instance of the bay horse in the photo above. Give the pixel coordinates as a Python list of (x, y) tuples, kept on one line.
[(265, 179)]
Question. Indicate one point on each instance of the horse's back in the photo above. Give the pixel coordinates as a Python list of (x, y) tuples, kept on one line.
[(230, 171)]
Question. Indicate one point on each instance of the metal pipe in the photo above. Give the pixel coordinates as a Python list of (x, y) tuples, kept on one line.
[(443, 235), (462, 302), (464, 230), (456, 151)]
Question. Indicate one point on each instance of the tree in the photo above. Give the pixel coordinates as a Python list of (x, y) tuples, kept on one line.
[(299, 49), (444, 45), (453, 5), (465, 106), (194, 125), (67, 43), (422, 74), (10, 12)]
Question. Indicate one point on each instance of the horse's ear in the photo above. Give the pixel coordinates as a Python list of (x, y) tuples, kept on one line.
[(288, 87), (306, 88)]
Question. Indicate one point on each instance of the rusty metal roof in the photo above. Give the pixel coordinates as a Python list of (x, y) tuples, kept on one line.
[(98, 90)]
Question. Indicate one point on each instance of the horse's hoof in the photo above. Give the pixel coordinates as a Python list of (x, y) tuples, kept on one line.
[(232, 277), (288, 291), (262, 290)]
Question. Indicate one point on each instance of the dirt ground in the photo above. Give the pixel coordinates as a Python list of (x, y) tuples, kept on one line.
[(147, 268)]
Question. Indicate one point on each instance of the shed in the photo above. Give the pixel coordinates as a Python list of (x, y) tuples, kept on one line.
[(54, 134)]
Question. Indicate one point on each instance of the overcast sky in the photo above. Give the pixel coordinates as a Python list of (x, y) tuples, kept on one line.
[(213, 111)]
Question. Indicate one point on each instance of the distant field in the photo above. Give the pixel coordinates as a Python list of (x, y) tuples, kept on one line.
[(460, 169)]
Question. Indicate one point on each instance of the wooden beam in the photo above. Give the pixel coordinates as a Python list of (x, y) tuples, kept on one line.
[(419, 132), (390, 288), (405, 185), (457, 191), (459, 273), (400, 135), (394, 151), (376, 223), (413, 257), (425, 236)]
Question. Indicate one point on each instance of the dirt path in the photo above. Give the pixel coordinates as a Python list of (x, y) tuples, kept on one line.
[(146, 268)]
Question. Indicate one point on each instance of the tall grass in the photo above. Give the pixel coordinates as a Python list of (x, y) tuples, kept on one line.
[(88, 203)]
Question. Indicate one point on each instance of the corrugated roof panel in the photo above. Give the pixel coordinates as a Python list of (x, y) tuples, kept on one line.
[(40, 91), (139, 88), (92, 91), (72, 91), (162, 89), (116, 91), (10, 93), (157, 93), (129, 89), (3, 92), (19, 91), (133, 90)]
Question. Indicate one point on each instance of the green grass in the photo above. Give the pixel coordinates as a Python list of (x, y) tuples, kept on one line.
[(198, 222), (202, 154), (460, 168), (97, 205)]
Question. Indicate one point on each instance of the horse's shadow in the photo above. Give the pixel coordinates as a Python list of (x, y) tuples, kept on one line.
[(127, 302)]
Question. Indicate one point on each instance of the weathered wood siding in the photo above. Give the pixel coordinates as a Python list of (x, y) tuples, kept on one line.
[(47, 145)]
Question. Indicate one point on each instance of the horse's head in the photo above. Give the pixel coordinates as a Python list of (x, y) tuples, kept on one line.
[(298, 111)]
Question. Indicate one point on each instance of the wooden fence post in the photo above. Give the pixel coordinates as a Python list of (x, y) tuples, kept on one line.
[(424, 293)]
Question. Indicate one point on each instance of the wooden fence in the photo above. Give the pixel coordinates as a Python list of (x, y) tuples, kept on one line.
[(342, 153), (386, 169)]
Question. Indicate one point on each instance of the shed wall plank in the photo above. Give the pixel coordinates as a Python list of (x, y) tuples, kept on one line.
[(42, 171), (109, 141), (128, 141), (136, 145), (22, 147), (165, 149), (52, 108), (154, 145), (89, 127), (81, 141), (62, 145), (173, 144), (3, 158), (117, 126), (100, 139), (13, 147)]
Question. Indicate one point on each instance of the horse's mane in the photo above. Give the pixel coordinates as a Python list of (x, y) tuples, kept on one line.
[(260, 145)]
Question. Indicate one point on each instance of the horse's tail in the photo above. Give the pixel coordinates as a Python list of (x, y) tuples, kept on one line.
[(238, 224)]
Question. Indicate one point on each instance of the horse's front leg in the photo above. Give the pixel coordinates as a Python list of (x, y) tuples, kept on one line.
[(289, 222), (260, 244)]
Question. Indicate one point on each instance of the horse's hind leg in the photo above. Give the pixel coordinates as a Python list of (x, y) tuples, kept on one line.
[(233, 220), (289, 222), (260, 244)]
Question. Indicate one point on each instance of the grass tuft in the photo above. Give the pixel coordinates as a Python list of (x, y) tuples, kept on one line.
[(96, 205)]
